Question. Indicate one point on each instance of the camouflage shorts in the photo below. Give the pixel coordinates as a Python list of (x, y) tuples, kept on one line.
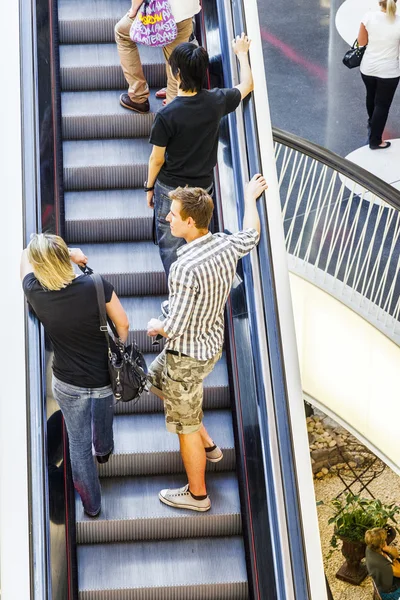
[(180, 379)]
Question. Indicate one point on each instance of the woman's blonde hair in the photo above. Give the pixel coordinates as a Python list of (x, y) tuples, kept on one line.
[(48, 254), (390, 7), (375, 538)]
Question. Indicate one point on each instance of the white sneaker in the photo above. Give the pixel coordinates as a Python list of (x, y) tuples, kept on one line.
[(182, 498), (215, 455)]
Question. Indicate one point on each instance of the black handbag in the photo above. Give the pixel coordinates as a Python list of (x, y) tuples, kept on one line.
[(126, 364), (353, 57)]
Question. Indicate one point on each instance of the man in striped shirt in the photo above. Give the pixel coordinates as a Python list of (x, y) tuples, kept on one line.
[(199, 284)]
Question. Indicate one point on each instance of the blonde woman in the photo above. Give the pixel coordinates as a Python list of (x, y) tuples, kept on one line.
[(383, 563), (380, 71), (66, 305)]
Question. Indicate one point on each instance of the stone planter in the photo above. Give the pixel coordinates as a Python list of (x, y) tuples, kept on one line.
[(352, 571)]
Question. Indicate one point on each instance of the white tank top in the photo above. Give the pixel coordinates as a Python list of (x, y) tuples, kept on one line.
[(184, 9), (381, 58)]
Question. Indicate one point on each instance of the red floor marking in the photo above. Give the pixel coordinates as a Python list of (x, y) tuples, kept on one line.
[(292, 55)]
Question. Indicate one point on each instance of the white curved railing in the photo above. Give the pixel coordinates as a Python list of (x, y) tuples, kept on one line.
[(342, 235), (342, 229)]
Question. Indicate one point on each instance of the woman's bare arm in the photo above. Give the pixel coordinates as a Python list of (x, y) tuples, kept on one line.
[(118, 316), (362, 35)]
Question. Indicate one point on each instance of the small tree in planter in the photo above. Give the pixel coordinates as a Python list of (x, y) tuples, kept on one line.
[(353, 516)]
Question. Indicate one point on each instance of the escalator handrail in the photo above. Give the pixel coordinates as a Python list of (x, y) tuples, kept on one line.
[(285, 517), (34, 347), (345, 167), (287, 406)]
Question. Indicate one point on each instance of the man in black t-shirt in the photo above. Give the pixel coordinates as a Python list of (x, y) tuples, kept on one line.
[(185, 134)]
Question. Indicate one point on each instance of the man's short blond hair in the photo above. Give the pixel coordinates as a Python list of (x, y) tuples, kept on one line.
[(48, 254), (195, 203)]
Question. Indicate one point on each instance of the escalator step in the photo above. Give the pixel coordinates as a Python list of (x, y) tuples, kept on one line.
[(192, 569), (134, 269), (107, 216), (143, 446), (131, 511), (88, 21), (97, 67), (216, 392), (87, 115), (140, 310), (105, 164)]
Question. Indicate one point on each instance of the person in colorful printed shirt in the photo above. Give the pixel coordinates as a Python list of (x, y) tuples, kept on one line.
[(137, 97)]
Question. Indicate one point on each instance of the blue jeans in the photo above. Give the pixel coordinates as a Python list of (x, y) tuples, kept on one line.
[(88, 415), (168, 244)]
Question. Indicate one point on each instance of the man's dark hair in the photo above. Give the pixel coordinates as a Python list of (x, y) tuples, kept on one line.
[(191, 62)]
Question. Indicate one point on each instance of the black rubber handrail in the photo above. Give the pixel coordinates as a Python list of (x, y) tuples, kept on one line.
[(345, 167), (35, 408)]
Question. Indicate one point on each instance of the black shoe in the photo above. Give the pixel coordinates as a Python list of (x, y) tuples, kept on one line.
[(387, 145), (103, 459), (126, 102), (93, 516)]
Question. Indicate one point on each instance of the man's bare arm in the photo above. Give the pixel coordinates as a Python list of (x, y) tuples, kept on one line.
[(241, 45), (253, 190)]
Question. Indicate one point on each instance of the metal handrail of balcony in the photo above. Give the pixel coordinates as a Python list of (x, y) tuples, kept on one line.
[(342, 229)]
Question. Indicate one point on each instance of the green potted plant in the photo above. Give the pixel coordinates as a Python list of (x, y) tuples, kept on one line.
[(352, 517)]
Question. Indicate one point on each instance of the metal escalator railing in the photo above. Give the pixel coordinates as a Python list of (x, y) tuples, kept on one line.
[(35, 380), (292, 517), (273, 523), (81, 177), (342, 229)]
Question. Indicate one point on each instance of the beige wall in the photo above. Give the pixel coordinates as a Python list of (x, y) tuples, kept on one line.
[(14, 529), (349, 367)]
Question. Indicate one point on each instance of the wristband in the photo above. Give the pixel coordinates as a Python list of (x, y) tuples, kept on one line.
[(148, 189)]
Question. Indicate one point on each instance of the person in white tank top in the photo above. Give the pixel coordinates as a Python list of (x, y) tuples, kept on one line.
[(137, 97), (380, 68)]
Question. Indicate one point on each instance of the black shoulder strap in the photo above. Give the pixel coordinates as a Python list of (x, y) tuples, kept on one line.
[(101, 301)]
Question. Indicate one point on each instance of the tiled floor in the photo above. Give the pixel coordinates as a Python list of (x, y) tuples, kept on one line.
[(311, 92)]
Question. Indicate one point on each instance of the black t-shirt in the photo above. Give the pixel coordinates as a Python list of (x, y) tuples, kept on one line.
[(71, 319), (188, 128)]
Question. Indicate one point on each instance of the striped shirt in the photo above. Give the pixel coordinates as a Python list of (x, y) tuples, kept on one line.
[(199, 284)]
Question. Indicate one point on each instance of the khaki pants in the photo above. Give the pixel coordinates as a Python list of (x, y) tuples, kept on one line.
[(130, 60)]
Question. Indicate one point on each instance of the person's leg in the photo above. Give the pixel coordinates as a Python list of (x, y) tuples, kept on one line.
[(76, 406), (131, 65), (194, 461), (155, 374), (370, 86), (102, 421), (167, 243), (185, 30), (205, 438), (385, 91), (183, 393)]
